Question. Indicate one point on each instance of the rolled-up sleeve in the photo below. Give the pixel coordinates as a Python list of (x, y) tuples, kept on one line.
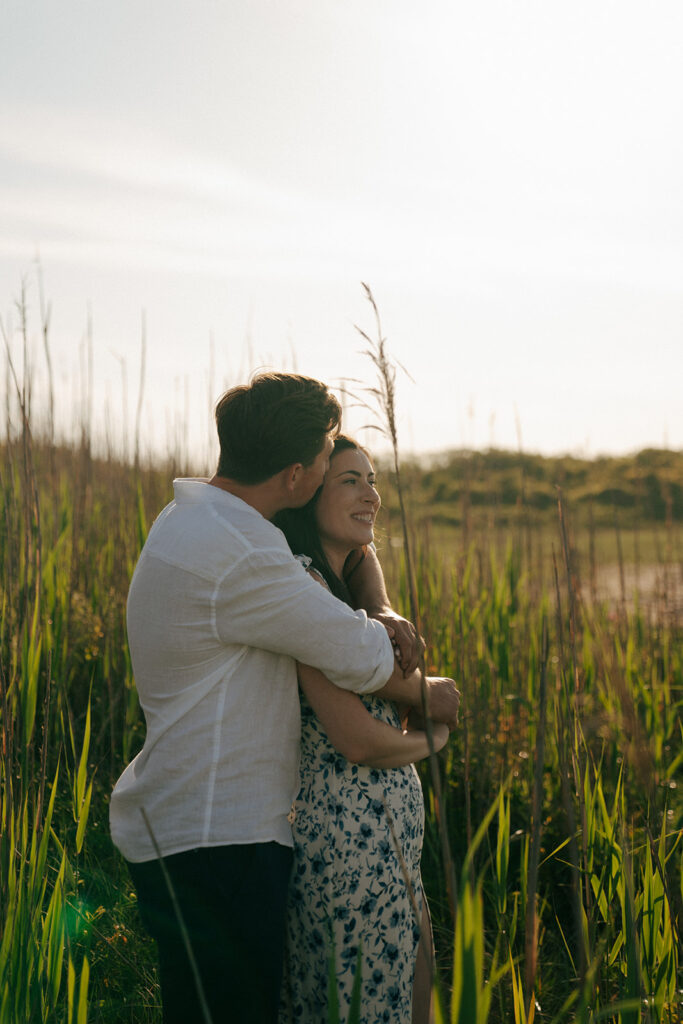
[(268, 601)]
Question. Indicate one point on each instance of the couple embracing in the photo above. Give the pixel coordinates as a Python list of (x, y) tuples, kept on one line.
[(273, 817)]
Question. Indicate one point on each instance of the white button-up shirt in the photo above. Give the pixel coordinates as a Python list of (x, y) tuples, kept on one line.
[(218, 611)]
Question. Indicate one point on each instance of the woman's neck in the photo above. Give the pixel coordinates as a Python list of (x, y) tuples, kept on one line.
[(336, 559)]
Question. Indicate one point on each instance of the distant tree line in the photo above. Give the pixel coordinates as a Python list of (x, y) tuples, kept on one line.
[(647, 485)]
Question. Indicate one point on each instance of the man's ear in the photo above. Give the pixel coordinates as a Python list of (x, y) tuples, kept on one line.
[(291, 475)]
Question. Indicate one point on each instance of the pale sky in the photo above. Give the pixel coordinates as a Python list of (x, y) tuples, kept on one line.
[(507, 177)]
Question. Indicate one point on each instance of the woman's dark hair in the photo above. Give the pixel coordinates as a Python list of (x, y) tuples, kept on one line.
[(301, 530), (276, 420)]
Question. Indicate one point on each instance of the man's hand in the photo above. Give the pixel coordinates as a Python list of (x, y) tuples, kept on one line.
[(407, 643), (443, 700)]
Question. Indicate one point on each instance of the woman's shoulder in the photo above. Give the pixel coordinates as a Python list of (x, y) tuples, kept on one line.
[(307, 561)]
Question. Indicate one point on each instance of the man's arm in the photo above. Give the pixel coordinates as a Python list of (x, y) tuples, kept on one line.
[(268, 601), (368, 590)]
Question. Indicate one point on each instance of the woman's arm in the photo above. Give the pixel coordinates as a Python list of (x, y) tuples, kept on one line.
[(367, 588), (356, 734)]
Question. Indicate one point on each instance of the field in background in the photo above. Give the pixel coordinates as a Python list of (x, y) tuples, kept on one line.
[(576, 749), (561, 798)]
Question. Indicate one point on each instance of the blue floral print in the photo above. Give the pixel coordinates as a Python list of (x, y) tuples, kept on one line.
[(348, 889)]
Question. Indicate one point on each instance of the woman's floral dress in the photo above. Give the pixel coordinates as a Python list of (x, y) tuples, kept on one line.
[(348, 888)]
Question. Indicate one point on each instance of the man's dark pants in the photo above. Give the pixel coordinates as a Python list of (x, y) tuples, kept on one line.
[(233, 902)]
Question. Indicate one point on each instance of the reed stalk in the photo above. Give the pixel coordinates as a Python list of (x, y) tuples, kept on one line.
[(531, 918), (385, 394)]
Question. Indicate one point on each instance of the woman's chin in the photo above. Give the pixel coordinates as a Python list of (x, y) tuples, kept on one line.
[(366, 536), (358, 536)]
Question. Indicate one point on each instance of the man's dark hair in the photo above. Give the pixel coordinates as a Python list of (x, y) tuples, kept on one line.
[(272, 422)]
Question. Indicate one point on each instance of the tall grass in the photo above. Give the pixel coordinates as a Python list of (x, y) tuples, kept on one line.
[(572, 710), (560, 795), (601, 725)]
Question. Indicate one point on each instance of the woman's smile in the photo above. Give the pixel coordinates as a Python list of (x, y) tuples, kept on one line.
[(348, 504)]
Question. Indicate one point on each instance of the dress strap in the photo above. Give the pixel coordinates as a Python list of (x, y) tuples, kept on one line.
[(306, 560)]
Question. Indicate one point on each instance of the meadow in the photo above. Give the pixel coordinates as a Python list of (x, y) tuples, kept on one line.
[(554, 848)]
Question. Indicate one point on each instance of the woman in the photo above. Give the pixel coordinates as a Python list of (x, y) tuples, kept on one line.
[(359, 818)]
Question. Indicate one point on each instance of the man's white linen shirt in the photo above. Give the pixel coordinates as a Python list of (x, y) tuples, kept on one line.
[(218, 611)]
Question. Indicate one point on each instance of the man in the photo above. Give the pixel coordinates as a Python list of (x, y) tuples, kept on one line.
[(218, 613)]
